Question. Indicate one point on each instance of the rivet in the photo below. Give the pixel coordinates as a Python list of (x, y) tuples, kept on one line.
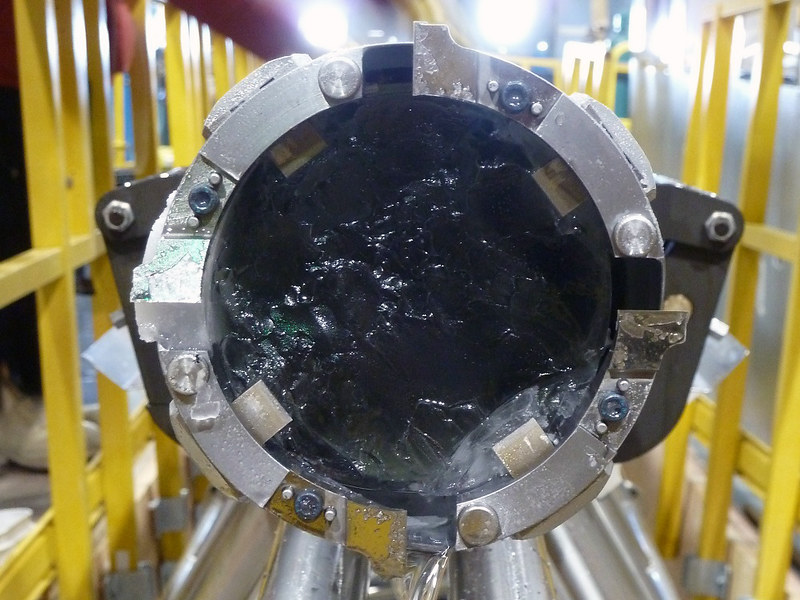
[(478, 525), (635, 235), (186, 373), (623, 385), (330, 514), (537, 108), (339, 78), (287, 493), (492, 86)]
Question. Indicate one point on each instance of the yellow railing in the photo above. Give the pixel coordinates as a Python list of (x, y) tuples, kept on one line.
[(775, 473), (72, 140)]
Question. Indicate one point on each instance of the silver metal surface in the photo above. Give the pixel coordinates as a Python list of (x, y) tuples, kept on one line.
[(311, 568), (703, 577), (118, 216), (507, 570), (171, 514), (635, 235), (260, 412), (478, 525), (187, 372), (227, 553), (131, 585)]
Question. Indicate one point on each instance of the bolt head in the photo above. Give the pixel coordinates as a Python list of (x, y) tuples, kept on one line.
[(635, 235), (203, 199), (186, 374), (478, 525), (515, 97), (308, 505), (117, 216), (339, 78), (614, 408), (720, 226), (492, 86)]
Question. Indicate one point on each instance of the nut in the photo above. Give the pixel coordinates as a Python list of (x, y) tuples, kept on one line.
[(118, 216), (720, 226)]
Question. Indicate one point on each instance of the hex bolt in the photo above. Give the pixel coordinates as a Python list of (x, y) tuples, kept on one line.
[(623, 385), (187, 373), (118, 216), (330, 514), (536, 109), (515, 97), (287, 493), (478, 525), (339, 78), (203, 199), (614, 408), (635, 235), (720, 226), (308, 505), (214, 179), (492, 86)]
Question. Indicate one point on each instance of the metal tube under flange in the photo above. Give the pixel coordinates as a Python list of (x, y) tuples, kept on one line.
[(312, 568), (508, 569), (227, 554)]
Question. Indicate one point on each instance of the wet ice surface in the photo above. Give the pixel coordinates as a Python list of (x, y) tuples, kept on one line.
[(409, 295)]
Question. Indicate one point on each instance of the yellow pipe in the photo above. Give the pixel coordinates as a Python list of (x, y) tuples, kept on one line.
[(143, 93), (222, 62), (36, 36), (691, 152)]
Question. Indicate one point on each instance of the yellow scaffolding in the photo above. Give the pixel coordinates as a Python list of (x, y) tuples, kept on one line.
[(773, 474), (73, 140)]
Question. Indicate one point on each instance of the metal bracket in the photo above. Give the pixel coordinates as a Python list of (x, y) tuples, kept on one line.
[(171, 514), (702, 577), (131, 585)]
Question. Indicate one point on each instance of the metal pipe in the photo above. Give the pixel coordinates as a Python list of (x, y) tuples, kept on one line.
[(228, 552), (509, 569), (308, 567), (604, 552)]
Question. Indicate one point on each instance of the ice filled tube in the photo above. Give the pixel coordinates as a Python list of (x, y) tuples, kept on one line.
[(407, 297)]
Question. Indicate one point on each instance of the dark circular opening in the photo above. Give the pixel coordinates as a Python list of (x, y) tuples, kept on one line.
[(413, 278)]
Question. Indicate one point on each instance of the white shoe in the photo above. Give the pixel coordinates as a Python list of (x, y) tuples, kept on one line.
[(23, 430)]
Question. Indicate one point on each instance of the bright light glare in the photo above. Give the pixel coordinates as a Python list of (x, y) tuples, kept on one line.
[(792, 48), (506, 22), (542, 46), (324, 25), (637, 27)]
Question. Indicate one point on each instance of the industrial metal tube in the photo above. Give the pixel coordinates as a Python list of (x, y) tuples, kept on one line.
[(308, 567), (509, 569), (228, 552)]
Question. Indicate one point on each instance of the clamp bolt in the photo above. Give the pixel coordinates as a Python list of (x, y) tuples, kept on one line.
[(614, 408), (308, 505), (203, 199), (515, 97)]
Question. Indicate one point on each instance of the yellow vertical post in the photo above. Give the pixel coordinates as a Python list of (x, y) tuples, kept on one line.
[(180, 104), (206, 70), (240, 69), (691, 151), (607, 93), (143, 93), (668, 515), (120, 145), (196, 84), (222, 61), (37, 48), (117, 471), (753, 200)]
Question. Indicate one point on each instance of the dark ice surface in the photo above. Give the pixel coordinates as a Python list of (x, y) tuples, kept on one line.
[(403, 285)]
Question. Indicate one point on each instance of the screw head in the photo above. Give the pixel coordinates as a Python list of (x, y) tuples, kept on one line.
[(492, 86), (635, 235), (720, 226), (330, 514), (339, 78), (203, 199), (614, 408), (537, 108), (308, 505), (478, 525), (186, 373), (117, 216), (515, 97)]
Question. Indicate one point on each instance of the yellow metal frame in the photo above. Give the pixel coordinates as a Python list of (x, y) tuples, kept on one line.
[(773, 474), (73, 141)]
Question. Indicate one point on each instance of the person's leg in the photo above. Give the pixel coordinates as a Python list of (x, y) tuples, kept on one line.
[(18, 333)]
